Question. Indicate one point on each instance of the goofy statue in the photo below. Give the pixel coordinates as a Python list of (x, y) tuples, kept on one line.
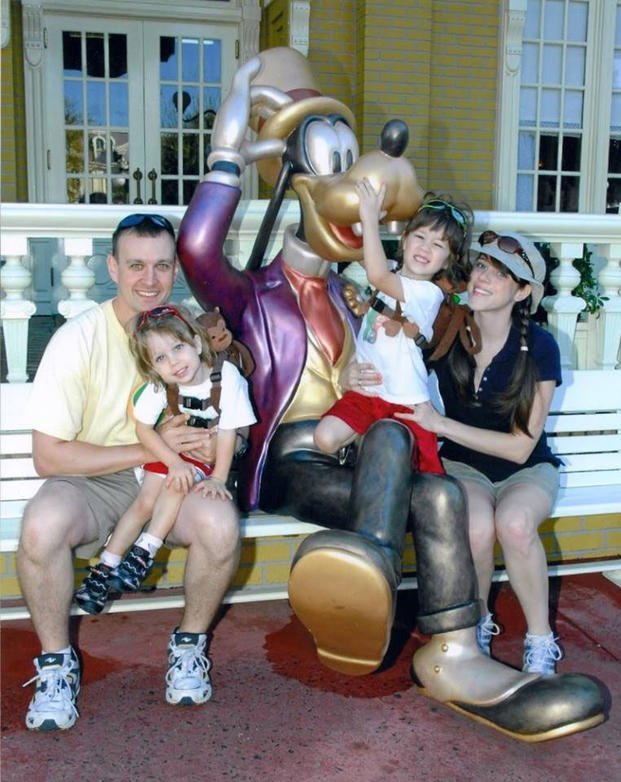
[(292, 315)]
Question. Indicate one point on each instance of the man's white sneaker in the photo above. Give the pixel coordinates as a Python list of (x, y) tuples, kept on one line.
[(187, 678), (541, 653), (58, 684)]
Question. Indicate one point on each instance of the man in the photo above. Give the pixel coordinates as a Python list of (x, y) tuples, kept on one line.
[(85, 444)]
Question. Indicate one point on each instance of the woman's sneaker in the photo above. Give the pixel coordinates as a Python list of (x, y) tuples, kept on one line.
[(486, 628), (58, 684), (541, 653), (92, 596), (187, 678), (129, 575)]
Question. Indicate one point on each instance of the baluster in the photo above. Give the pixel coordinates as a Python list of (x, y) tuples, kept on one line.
[(562, 307), (609, 280), (77, 277), (15, 310)]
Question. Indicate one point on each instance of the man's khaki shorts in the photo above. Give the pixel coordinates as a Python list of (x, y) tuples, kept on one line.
[(108, 497)]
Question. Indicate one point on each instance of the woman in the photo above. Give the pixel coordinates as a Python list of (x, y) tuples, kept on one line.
[(496, 404)]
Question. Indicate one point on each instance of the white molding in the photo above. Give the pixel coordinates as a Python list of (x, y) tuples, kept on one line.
[(186, 10), (299, 24), (513, 16), (5, 24)]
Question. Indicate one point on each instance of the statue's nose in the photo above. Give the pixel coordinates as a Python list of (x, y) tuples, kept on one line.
[(394, 138)]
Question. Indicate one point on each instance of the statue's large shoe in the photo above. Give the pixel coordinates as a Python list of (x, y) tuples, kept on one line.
[(451, 669), (342, 588)]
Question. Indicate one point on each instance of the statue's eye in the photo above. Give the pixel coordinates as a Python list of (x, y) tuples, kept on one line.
[(330, 148)]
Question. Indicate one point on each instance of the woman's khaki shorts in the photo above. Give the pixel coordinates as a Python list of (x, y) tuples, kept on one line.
[(544, 475), (108, 497)]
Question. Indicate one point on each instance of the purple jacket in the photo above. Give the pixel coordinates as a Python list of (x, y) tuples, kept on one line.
[(261, 311)]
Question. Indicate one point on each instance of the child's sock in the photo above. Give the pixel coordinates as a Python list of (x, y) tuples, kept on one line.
[(109, 559), (149, 543)]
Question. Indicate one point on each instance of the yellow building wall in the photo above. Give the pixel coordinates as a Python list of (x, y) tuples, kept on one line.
[(432, 63), (13, 181)]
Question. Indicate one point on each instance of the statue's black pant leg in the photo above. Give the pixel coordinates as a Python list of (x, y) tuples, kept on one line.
[(447, 589), (343, 580)]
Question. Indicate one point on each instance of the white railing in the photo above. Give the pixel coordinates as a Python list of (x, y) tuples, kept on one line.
[(592, 344)]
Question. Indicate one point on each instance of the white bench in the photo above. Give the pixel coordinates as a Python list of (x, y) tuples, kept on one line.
[(584, 427)]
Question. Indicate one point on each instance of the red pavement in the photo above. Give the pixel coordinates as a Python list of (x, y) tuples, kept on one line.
[(278, 715)]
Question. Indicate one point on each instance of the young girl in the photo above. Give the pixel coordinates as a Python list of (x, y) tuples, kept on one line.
[(171, 350), (434, 244), (496, 404)]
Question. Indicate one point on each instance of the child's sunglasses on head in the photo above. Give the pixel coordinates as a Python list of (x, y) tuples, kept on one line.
[(131, 221), (438, 204), (163, 311), (507, 244)]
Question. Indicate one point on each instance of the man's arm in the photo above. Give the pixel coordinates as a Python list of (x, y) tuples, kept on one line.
[(53, 456)]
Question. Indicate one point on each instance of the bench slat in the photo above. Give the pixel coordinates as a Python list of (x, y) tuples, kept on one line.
[(19, 467), (583, 422), (586, 444), (20, 489), (19, 442)]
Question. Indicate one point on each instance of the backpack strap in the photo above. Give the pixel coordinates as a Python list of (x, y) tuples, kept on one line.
[(216, 382)]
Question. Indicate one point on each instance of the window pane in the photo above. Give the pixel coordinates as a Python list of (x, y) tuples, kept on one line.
[(614, 156), (552, 56), (75, 191), (571, 153), (530, 64), (189, 59), (550, 107), (546, 194), (95, 60), (528, 106), (119, 104), (72, 54), (613, 196), (120, 190), (525, 193), (118, 56), (168, 58), (212, 60), (615, 115), (170, 192), (190, 154), (168, 106), (73, 103), (553, 20), (548, 153), (190, 108), (569, 193), (616, 72), (188, 190), (212, 97), (577, 16), (96, 102), (169, 153), (573, 109), (526, 150), (74, 151), (575, 57), (533, 14), (97, 152)]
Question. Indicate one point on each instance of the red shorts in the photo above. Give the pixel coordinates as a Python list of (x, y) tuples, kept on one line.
[(161, 469), (360, 411)]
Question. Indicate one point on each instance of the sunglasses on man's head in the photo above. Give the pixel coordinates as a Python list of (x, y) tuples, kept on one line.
[(131, 221), (507, 244), (163, 311), (438, 204)]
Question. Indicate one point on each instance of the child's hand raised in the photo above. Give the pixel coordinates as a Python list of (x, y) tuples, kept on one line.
[(371, 201)]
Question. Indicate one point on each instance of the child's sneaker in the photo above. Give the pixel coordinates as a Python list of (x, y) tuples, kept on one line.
[(486, 628), (541, 653), (129, 575), (92, 596), (187, 678), (58, 683)]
